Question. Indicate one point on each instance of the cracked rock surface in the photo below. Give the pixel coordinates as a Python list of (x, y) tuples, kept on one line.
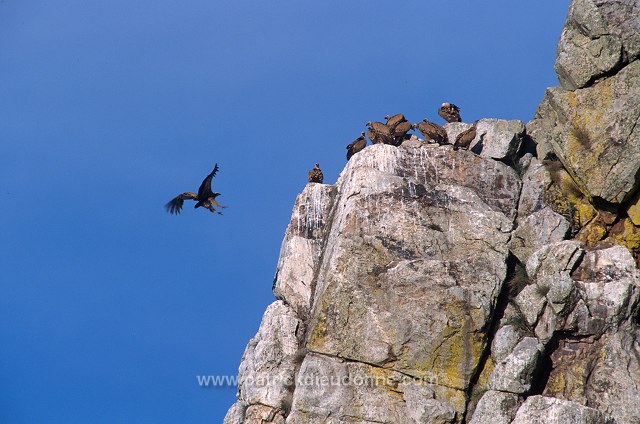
[(495, 285)]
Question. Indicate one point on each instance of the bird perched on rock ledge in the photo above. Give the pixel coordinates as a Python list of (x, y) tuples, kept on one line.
[(205, 197), (379, 133), (356, 145), (432, 131), (450, 112), (315, 175), (464, 139)]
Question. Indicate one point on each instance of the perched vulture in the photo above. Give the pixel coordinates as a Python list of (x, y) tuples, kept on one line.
[(394, 120), (379, 133), (400, 131), (315, 175), (464, 139), (398, 126), (432, 131), (450, 112), (205, 197), (357, 145)]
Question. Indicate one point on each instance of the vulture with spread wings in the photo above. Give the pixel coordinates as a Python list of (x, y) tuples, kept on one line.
[(205, 197)]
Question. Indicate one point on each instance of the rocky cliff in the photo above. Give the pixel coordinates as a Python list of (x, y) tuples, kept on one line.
[(429, 285)]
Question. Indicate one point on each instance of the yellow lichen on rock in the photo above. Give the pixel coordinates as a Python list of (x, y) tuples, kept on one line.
[(454, 360), (592, 233), (634, 210), (627, 234)]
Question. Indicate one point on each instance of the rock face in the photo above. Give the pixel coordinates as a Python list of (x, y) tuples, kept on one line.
[(430, 285), (598, 37), (589, 125)]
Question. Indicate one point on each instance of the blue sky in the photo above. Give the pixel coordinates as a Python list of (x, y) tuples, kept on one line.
[(110, 307)]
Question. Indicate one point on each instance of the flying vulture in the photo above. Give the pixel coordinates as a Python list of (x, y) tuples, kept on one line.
[(432, 131), (357, 145), (205, 197), (379, 133), (315, 175), (450, 112), (464, 139)]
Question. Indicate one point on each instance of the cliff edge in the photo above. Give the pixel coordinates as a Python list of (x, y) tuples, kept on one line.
[(500, 284)]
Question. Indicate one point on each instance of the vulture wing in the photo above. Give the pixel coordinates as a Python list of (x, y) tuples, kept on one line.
[(204, 192), (464, 139), (401, 129), (394, 120), (174, 206), (433, 132), (381, 133), (355, 146)]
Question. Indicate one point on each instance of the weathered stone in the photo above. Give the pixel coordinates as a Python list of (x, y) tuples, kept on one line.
[(497, 139), (633, 211), (514, 374), (627, 234), (501, 139), (597, 36), (235, 414), (302, 247), (600, 358), (496, 408), (536, 230), (535, 180), (397, 271), (531, 302), (608, 284), (546, 410), (613, 384), (263, 414), (548, 324), (453, 129), (331, 390), (592, 233), (594, 132), (552, 260), (405, 283), (505, 339), (581, 59), (267, 369)]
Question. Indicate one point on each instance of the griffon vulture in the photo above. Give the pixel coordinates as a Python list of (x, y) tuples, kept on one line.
[(450, 112), (315, 175), (357, 145), (205, 197)]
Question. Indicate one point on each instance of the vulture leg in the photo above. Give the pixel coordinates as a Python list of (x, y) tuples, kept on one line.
[(213, 210), (212, 200)]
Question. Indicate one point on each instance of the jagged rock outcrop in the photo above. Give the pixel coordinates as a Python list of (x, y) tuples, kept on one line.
[(587, 129), (599, 36), (499, 284), (410, 257)]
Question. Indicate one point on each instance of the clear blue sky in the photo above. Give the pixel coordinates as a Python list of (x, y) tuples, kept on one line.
[(110, 307)]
